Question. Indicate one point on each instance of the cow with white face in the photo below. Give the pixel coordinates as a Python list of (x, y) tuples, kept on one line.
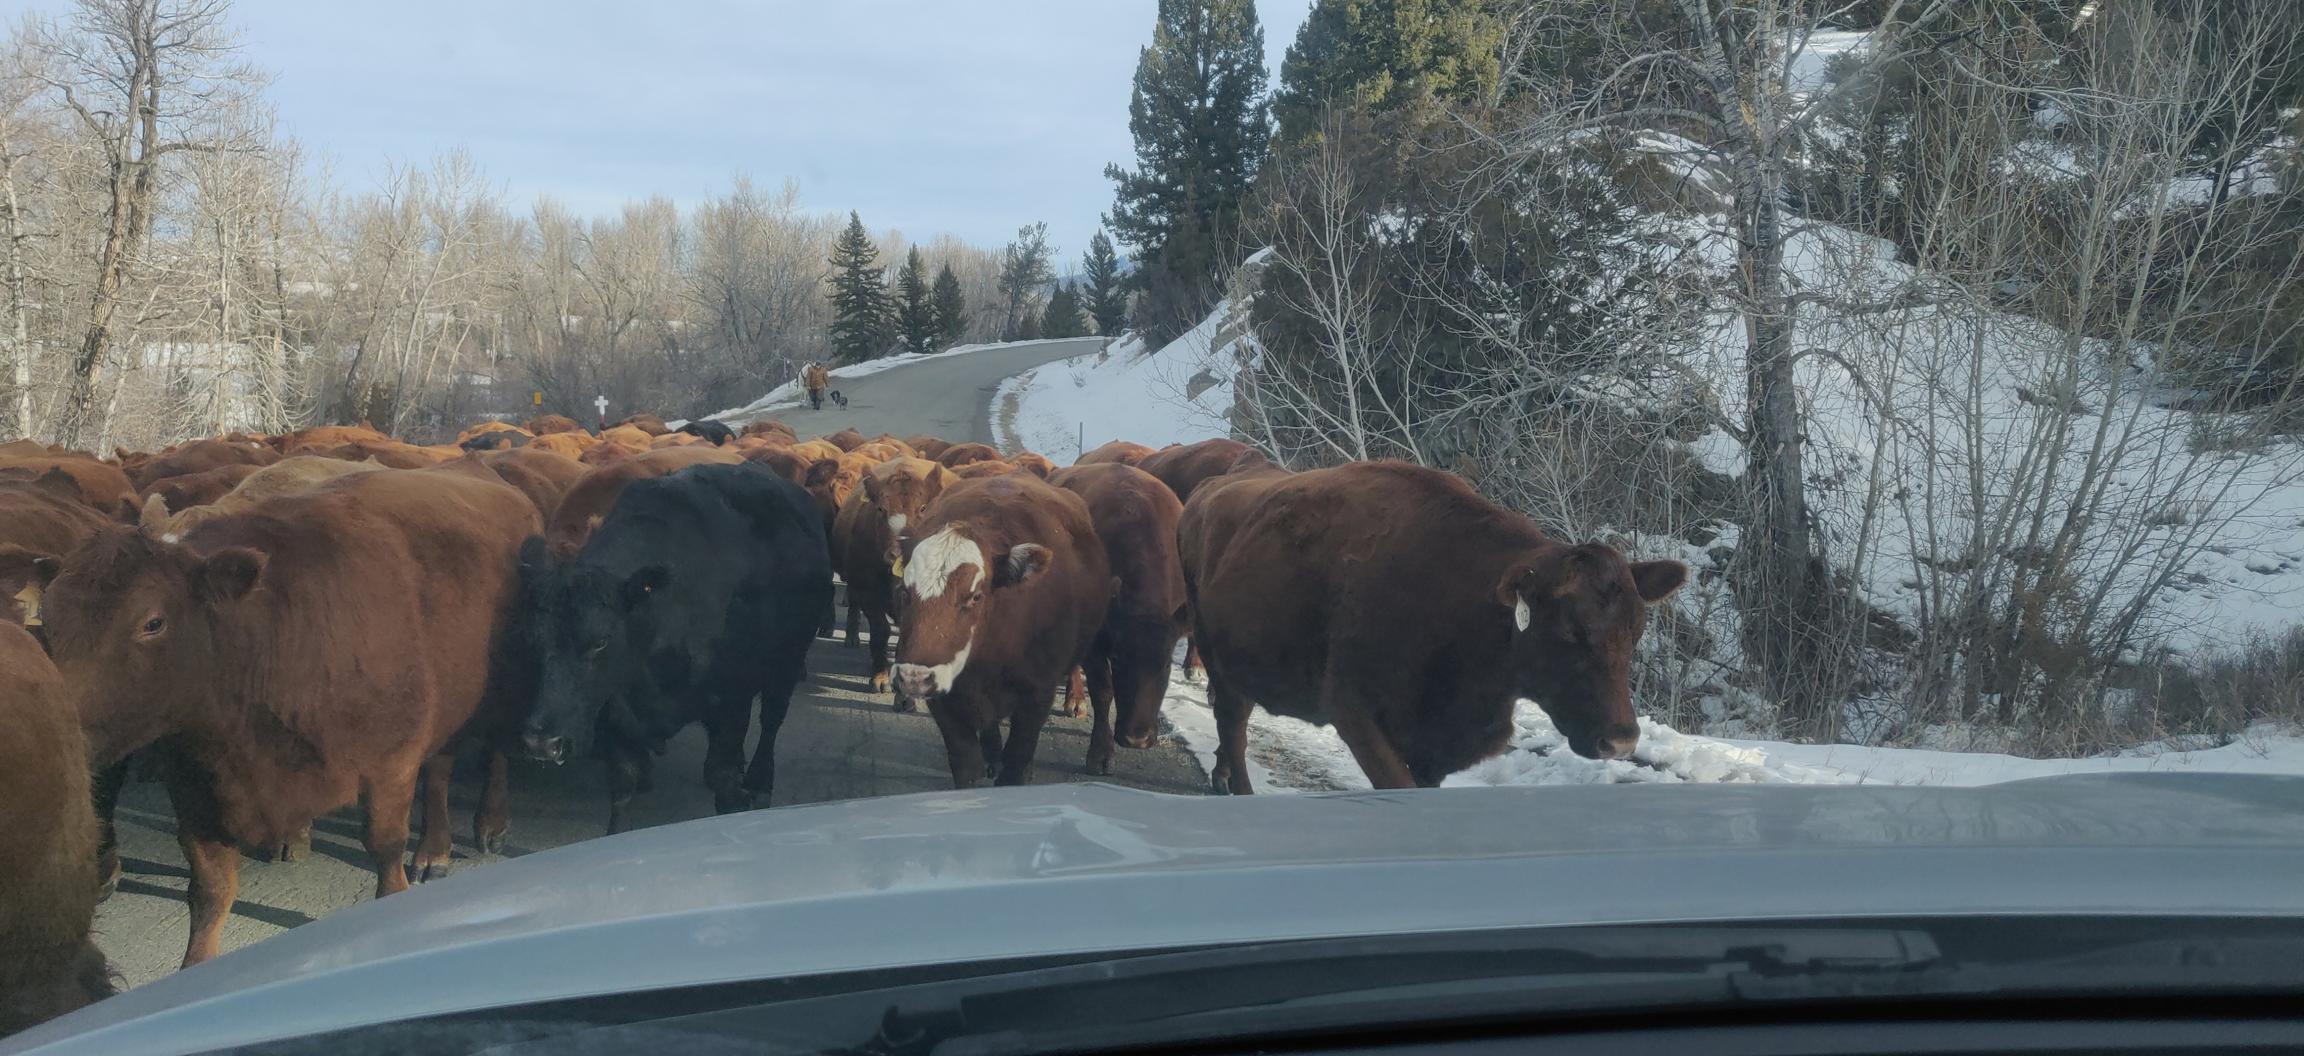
[(1005, 586), (864, 546)]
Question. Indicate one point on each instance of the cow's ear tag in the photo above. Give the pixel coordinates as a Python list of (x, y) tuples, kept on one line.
[(29, 599), (1520, 614), (898, 568)]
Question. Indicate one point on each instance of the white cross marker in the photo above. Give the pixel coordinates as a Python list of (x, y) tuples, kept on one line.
[(602, 403)]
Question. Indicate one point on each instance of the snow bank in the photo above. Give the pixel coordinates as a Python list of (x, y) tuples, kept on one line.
[(791, 394), (1177, 394), (1286, 755)]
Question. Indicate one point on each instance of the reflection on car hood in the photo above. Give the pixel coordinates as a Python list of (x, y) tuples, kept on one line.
[(963, 876)]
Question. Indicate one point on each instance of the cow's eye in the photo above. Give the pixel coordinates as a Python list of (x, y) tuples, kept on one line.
[(153, 626)]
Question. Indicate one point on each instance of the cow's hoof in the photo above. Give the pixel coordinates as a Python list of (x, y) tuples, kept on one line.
[(1100, 766), (298, 847), (428, 867), (1219, 783), (905, 704), (880, 682), (732, 802), (490, 842), (110, 885)]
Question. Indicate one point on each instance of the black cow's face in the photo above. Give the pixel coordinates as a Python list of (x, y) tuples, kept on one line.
[(591, 632), (1576, 615)]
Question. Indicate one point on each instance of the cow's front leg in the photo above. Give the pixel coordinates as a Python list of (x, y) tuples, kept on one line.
[(964, 747), (389, 800), (725, 725), (215, 884), (1099, 678), (106, 792), (435, 848), (1024, 736), (495, 815), (1351, 699), (626, 773)]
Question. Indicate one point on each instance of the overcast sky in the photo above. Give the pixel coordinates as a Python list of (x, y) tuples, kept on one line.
[(968, 116)]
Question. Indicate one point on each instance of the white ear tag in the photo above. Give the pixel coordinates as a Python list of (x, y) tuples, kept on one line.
[(1520, 614)]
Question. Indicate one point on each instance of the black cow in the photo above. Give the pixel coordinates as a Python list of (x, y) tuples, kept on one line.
[(719, 435), (698, 592)]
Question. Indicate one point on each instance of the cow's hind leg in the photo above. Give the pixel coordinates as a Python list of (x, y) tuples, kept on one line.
[(855, 624), (1194, 670), (494, 818), (879, 622), (215, 868), (1075, 691), (1099, 678), (1230, 774), (435, 847), (389, 799)]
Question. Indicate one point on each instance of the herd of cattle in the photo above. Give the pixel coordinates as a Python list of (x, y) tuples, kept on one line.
[(278, 626)]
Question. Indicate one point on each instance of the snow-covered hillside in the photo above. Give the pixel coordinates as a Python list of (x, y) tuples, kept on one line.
[(791, 394), (1175, 394)]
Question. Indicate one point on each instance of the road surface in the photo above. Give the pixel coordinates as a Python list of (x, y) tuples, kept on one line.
[(838, 743)]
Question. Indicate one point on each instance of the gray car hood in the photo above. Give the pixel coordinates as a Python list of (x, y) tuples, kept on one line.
[(962, 876)]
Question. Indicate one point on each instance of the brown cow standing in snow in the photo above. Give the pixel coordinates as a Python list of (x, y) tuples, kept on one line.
[(1394, 603), (317, 648), (1004, 592), (47, 839), (1135, 516), (865, 545)]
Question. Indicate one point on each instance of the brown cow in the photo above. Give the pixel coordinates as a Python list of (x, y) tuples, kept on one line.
[(865, 544), (288, 476), (1004, 592), (588, 500), (1034, 463), (770, 427), (546, 424), (902, 445), (198, 489), (544, 476), (480, 429), (319, 648), (1135, 516), (42, 516), (929, 447), (648, 423), (846, 439), (569, 445), (326, 436), (781, 459), (1395, 603), (1185, 466), (618, 443), (959, 455), (980, 470), (104, 488), (1125, 452), (199, 456), (48, 885), (818, 451)]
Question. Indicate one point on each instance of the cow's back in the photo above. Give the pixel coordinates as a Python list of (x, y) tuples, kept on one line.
[(1047, 623), (48, 839), (385, 597), (1136, 519), (594, 495), (1184, 468)]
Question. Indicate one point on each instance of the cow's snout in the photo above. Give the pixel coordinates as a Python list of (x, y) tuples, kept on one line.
[(547, 747), (917, 682), (1616, 744)]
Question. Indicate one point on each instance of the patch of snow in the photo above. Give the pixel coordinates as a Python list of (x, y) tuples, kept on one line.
[(1813, 64), (1286, 755), (1177, 394)]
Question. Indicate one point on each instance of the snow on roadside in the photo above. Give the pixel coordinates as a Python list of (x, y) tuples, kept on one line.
[(1175, 395), (1287, 755), (790, 394)]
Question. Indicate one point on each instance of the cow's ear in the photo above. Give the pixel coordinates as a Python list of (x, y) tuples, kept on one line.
[(1656, 580), (1024, 561), (229, 574), (871, 485), (58, 483), (821, 473), (23, 566), (153, 518), (639, 585), (1513, 590)]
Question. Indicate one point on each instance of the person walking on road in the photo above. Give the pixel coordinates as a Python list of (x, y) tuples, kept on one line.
[(817, 379)]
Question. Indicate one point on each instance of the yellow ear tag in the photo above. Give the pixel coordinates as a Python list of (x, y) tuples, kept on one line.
[(29, 598), (898, 568)]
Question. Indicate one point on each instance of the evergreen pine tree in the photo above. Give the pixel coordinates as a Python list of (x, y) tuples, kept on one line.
[(1062, 317), (1378, 54), (915, 313), (949, 307), (859, 296), (1028, 324), (1197, 115), (1105, 296)]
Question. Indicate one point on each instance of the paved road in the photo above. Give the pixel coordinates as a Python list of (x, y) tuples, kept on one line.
[(948, 397), (839, 742)]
